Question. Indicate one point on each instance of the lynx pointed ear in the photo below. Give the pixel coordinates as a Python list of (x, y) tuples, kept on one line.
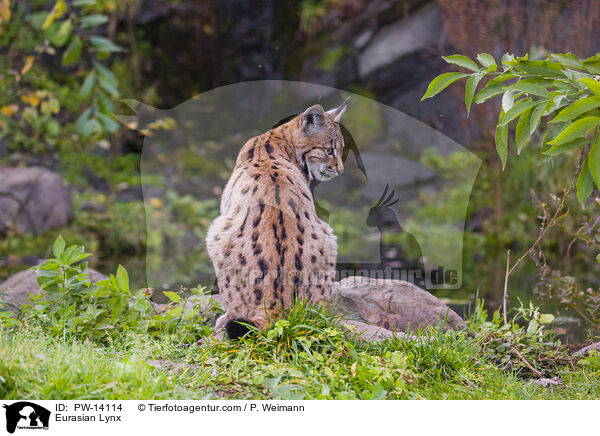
[(313, 119), (337, 113)]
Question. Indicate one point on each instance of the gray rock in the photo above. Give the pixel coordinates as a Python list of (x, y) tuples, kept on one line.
[(400, 39), (16, 289), (33, 200), (393, 304), (363, 38), (212, 305), (545, 382), (204, 302), (368, 332), (586, 350), (339, 76)]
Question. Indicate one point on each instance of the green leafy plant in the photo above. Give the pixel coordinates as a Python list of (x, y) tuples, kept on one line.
[(74, 306), (38, 103), (566, 291), (524, 345), (561, 87)]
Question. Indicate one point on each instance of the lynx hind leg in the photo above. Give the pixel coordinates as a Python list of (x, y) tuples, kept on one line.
[(216, 239)]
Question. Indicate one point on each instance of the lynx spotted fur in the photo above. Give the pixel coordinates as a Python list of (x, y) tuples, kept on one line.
[(268, 246)]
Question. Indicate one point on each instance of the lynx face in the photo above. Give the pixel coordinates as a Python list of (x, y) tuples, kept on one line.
[(320, 143)]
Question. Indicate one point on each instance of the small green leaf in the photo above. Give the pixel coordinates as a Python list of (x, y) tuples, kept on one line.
[(122, 279), (506, 59), (540, 81), (172, 296), (530, 88), (591, 84), (62, 34), (558, 101), (508, 100), (592, 67), (574, 76), (53, 127), (585, 184), (82, 120), (88, 84), (91, 127), (174, 313), (108, 86), (58, 247), (397, 358), (501, 139), (487, 61), (533, 327), (488, 92), (557, 149), (561, 85), (516, 110), (537, 68), (93, 20), (105, 72), (441, 82), (73, 51), (57, 11), (472, 83), (552, 132), (104, 45), (577, 108), (109, 124), (522, 130), (105, 104), (536, 116), (49, 273), (461, 61), (567, 60), (594, 160), (576, 130), (501, 79)]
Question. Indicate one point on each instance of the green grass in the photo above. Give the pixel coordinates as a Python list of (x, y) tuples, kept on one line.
[(309, 355)]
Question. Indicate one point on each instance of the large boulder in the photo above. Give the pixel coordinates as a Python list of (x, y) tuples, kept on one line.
[(16, 289), (415, 33), (393, 304), (33, 200)]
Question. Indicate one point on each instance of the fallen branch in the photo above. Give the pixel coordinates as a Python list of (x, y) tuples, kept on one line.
[(535, 371)]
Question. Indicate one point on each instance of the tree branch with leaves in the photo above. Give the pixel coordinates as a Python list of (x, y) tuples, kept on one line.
[(560, 89)]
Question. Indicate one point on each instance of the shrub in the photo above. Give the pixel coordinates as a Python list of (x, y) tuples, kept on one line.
[(74, 306)]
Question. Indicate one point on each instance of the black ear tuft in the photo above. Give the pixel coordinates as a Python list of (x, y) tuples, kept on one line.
[(337, 113), (236, 328)]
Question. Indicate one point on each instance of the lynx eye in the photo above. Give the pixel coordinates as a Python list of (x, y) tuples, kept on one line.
[(330, 151)]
